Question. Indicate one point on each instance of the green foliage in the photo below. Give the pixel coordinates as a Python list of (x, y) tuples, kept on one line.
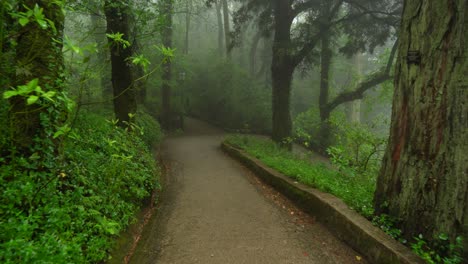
[(307, 128), (118, 39), (441, 251), (31, 91), (67, 208), (388, 225), (357, 150), (150, 131), (167, 53), (35, 14), (140, 60), (224, 94), (357, 192)]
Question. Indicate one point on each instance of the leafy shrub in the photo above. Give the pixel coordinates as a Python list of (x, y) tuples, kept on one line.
[(68, 207), (150, 130), (440, 251), (307, 128), (357, 150)]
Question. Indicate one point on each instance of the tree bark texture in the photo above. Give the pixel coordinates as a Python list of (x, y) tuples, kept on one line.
[(423, 180), (38, 55), (227, 30), (124, 93), (167, 8), (282, 69)]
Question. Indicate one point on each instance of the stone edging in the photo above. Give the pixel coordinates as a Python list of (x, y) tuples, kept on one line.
[(346, 224)]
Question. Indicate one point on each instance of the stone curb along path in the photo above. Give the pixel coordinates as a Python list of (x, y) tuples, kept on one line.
[(345, 223)]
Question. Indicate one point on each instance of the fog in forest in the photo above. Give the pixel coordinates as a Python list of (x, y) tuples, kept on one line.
[(113, 106)]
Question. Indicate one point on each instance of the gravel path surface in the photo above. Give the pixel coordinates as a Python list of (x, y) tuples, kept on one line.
[(214, 211)]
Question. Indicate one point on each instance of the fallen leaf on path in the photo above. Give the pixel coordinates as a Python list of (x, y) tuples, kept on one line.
[(358, 258)]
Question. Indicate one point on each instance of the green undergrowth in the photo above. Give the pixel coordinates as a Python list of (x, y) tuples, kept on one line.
[(68, 207), (356, 191)]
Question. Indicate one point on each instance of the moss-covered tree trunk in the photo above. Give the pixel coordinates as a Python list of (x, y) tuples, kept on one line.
[(38, 55), (423, 180), (166, 119), (124, 94), (282, 68)]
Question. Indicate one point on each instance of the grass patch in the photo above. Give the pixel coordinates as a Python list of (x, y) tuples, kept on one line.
[(356, 191)]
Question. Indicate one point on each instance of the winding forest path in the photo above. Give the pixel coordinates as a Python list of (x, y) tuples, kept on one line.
[(214, 211)]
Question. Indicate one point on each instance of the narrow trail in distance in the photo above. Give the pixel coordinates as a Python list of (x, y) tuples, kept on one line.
[(214, 210)]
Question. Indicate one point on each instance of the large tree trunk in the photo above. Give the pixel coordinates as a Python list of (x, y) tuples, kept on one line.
[(423, 180), (325, 63), (282, 69), (227, 30), (124, 93), (38, 55), (220, 27), (167, 8)]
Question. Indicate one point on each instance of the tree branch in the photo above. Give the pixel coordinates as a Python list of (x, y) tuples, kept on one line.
[(323, 29), (374, 79)]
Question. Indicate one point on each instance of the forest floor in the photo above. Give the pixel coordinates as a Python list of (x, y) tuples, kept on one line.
[(213, 210)]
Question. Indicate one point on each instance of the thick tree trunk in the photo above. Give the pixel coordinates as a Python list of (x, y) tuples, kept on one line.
[(124, 93), (325, 111), (166, 112), (282, 69), (38, 56), (423, 180), (227, 30), (220, 27)]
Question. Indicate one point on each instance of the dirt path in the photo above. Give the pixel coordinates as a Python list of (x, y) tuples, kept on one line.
[(215, 211)]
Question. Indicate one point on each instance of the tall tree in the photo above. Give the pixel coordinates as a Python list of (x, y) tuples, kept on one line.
[(117, 16), (99, 28), (423, 180), (253, 53), (220, 27), (282, 69), (38, 56), (188, 15), (294, 43), (227, 29), (166, 32)]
